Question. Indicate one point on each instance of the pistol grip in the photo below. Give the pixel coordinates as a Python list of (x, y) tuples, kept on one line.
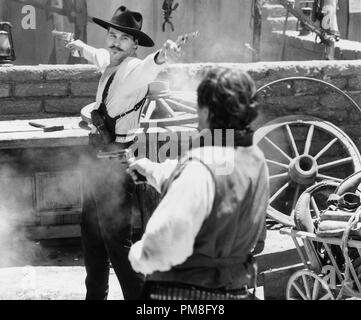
[(140, 177)]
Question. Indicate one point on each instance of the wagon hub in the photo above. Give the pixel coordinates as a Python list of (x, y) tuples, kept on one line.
[(303, 170)]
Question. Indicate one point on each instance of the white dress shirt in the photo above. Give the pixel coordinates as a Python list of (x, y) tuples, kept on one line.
[(130, 86)]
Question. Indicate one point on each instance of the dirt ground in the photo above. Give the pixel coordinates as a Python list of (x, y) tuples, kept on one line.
[(57, 271)]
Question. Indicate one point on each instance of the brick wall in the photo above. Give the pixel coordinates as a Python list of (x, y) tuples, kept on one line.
[(45, 91)]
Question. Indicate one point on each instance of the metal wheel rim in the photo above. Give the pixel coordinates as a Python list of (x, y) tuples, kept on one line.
[(301, 282), (314, 123), (353, 102)]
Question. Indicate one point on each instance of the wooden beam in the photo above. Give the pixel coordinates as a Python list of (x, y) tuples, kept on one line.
[(53, 232), (257, 30)]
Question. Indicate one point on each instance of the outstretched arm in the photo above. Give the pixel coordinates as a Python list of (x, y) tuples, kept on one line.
[(142, 72), (99, 57)]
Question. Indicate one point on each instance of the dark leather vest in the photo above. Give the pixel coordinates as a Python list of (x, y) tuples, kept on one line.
[(234, 225)]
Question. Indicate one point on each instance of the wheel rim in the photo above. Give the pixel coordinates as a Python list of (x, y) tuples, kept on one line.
[(306, 285), (296, 163), (317, 81)]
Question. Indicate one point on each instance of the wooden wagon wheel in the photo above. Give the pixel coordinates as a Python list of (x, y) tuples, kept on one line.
[(296, 161), (165, 108), (306, 285), (281, 92)]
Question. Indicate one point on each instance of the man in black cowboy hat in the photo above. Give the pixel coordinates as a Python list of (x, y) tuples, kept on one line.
[(108, 190)]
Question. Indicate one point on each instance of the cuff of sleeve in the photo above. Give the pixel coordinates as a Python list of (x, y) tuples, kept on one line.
[(88, 51)]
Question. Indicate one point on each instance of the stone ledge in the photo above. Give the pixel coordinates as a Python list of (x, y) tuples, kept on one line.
[(15, 73), (19, 134), (344, 49), (180, 74)]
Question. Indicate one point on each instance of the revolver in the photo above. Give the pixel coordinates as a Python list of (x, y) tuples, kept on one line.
[(67, 37), (124, 156)]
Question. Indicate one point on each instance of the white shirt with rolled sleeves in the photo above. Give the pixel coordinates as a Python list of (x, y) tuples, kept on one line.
[(130, 86), (174, 225)]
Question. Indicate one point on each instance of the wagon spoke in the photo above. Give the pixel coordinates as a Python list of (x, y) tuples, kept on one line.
[(281, 175), (299, 291), (273, 198), (280, 164), (325, 177), (309, 139), (278, 148), (335, 163), (166, 107), (150, 110), (315, 207), (315, 290), (305, 283), (182, 106), (292, 139), (326, 148)]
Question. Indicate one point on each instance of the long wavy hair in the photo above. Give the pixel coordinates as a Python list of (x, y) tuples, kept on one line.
[(230, 95)]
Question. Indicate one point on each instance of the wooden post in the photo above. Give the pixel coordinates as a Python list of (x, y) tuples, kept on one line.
[(257, 29), (80, 26)]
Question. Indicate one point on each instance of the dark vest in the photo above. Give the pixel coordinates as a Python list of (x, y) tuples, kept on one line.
[(234, 225)]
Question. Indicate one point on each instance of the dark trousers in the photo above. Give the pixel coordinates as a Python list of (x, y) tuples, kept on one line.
[(109, 196)]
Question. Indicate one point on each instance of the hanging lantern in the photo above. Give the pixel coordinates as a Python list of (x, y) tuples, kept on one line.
[(7, 52), (306, 7)]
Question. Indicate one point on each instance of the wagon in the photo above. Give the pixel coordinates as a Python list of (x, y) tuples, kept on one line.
[(332, 281), (332, 264), (306, 140)]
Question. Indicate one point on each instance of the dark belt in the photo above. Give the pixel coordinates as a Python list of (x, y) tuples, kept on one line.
[(160, 291)]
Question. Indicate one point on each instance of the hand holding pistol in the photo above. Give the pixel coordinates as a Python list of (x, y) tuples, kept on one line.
[(124, 156), (68, 37)]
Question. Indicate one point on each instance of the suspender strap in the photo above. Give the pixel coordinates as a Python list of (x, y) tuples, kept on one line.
[(135, 108), (107, 86), (104, 111), (105, 95)]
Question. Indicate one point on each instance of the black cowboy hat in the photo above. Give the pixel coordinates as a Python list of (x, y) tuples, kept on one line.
[(129, 22)]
